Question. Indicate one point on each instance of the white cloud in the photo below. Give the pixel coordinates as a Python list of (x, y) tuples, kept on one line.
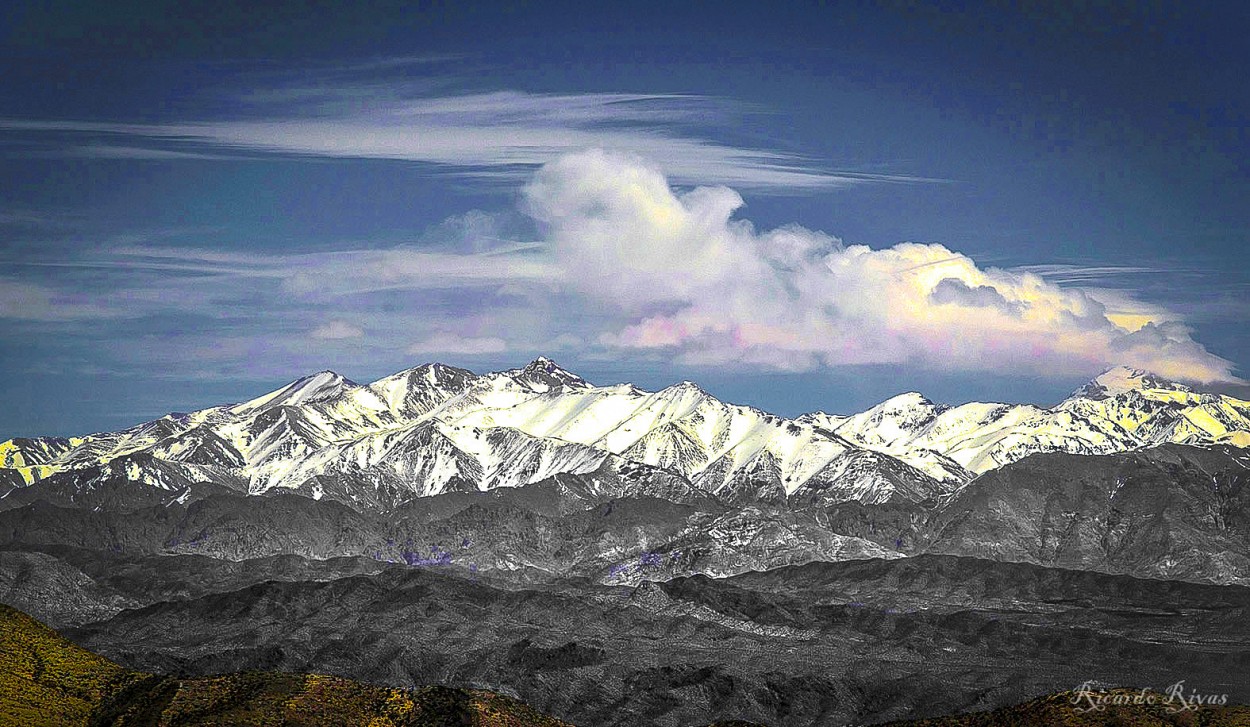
[(710, 289), (109, 151), (336, 330), (501, 134), (447, 342), (625, 265), (1067, 273), (348, 272)]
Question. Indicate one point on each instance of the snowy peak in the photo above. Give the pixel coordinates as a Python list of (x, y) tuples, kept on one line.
[(441, 376), (907, 403), (418, 390), (1122, 379), (434, 427), (686, 390), (543, 374), (893, 421), (318, 387)]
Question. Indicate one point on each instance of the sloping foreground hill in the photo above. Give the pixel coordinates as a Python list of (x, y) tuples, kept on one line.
[(830, 644), (1072, 709), (46, 680)]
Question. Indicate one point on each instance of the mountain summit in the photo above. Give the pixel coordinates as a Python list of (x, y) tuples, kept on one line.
[(321, 386), (545, 374), (1122, 379)]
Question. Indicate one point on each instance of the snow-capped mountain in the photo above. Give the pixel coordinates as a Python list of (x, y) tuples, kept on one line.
[(1121, 410), (437, 428)]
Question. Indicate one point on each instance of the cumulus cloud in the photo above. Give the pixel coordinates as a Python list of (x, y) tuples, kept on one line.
[(620, 264), (447, 342), (710, 289), (953, 291)]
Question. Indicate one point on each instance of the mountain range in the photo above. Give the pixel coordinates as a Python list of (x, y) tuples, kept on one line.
[(435, 429), (613, 556)]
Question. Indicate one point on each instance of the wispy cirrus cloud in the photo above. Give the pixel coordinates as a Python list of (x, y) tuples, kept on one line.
[(336, 273), (133, 153), (1070, 273), (1197, 289), (503, 135), (290, 293)]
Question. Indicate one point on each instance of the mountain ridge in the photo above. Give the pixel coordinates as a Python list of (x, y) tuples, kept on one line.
[(402, 532), (432, 427)]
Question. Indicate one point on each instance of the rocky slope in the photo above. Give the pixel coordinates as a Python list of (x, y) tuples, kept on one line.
[(1167, 512), (1171, 512)]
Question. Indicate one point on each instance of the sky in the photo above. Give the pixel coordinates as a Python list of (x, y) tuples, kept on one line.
[(799, 207)]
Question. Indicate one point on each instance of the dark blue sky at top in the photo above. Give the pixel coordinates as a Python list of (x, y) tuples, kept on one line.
[(1107, 136)]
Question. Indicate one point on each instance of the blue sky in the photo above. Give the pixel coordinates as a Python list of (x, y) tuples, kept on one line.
[(800, 208)]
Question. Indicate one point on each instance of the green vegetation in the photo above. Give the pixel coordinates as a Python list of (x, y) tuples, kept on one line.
[(46, 680)]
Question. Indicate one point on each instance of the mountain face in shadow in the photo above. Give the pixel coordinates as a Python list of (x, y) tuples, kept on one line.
[(1166, 512)]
